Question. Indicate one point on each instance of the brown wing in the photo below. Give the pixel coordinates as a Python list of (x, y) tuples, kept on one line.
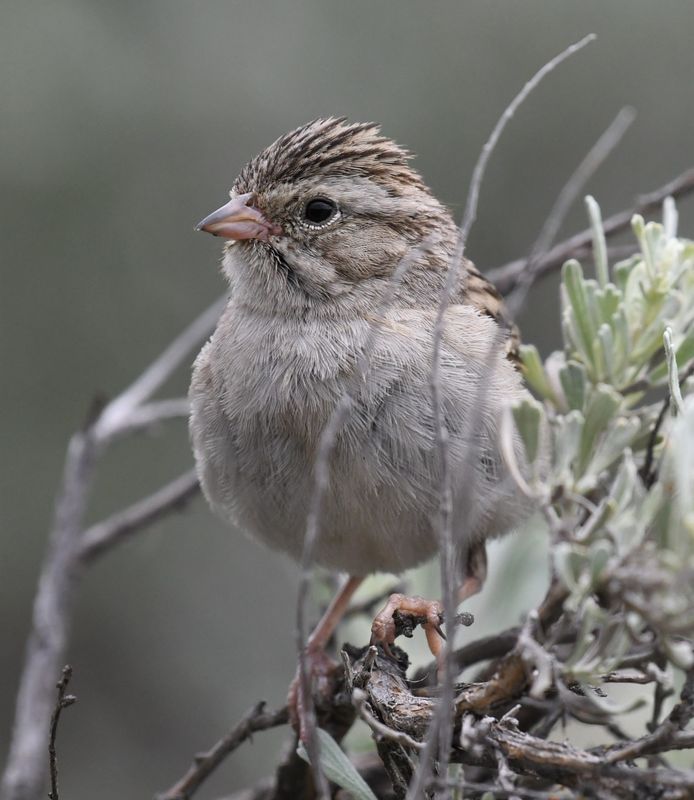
[(483, 295)]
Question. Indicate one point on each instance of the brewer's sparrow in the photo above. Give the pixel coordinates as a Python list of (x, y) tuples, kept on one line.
[(316, 225)]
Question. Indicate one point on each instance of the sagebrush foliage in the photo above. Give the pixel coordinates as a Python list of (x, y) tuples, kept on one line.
[(612, 451)]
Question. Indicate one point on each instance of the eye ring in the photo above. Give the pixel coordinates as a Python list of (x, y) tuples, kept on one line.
[(320, 211)]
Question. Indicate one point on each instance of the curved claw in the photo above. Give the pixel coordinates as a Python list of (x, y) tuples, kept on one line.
[(383, 629)]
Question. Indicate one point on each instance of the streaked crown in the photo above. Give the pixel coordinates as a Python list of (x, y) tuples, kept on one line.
[(330, 147)]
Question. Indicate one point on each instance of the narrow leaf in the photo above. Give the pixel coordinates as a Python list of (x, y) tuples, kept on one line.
[(338, 768)]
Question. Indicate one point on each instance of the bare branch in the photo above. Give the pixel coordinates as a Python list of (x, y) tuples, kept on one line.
[(488, 647), (395, 707), (506, 277), (662, 737), (204, 764), (63, 701), (104, 535), (442, 730), (359, 700), (149, 415), (24, 775), (117, 414), (565, 199), (321, 481)]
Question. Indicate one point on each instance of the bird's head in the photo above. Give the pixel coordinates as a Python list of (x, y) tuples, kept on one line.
[(328, 209)]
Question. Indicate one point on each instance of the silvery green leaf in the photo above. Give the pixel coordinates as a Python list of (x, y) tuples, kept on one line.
[(679, 652), (655, 514), (338, 768), (648, 344), (622, 270), (645, 238), (684, 354), (567, 438), (670, 217), (601, 409), (599, 243), (574, 285), (570, 561), (635, 302), (652, 246), (676, 404), (569, 332), (592, 617), (590, 287), (625, 482), (603, 348), (535, 372), (603, 512), (600, 553), (608, 298), (527, 415), (618, 436), (681, 461), (572, 377), (622, 340)]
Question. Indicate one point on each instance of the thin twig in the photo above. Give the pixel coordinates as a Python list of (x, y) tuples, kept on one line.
[(63, 701), (150, 415), (506, 277), (204, 764), (116, 417), (648, 472), (24, 774), (441, 729), (115, 529), (359, 700), (664, 734), (321, 481), (493, 789), (483, 649), (565, 199)]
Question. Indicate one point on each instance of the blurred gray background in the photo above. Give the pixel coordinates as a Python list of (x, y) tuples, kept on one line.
[(124, 123)]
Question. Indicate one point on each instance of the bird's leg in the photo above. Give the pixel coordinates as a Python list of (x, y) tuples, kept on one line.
[(475, 572), (429, 613), (318, 663)]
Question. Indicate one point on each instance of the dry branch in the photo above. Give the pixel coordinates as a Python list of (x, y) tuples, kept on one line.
[(133, 409), (63, 701), (174, 496), (256, 719), (506, 277)]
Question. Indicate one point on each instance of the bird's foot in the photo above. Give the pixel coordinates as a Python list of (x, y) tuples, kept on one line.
[(427, 613), (321, 675)]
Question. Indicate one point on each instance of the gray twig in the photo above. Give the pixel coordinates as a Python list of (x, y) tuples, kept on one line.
[(441, 730), (565, 199), (321, 481), (110, 532), (116, 417), (204, 764), (24, 774), (359, 699), (506, 277), (63, 701)]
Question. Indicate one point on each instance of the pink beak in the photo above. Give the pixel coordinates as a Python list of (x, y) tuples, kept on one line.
[(239, 220)]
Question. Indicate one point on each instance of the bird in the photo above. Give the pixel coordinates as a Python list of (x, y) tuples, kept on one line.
[(315, 228)]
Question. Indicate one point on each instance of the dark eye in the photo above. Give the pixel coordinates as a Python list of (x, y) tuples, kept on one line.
[(319, 210)]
